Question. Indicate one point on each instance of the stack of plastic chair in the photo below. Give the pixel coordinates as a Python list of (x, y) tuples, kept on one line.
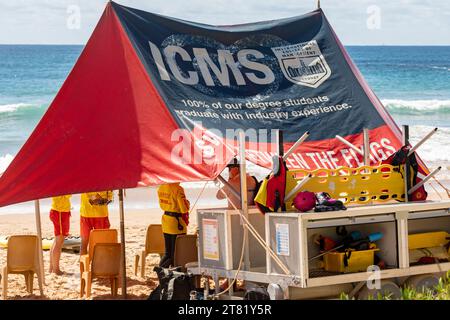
[(154, 244), (95, 237), (105, 264), (22, 258)]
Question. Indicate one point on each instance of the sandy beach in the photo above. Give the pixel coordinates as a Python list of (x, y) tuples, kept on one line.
[(66, 287)]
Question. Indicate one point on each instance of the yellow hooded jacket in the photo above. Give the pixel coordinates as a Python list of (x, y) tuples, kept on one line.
[(172, 199)]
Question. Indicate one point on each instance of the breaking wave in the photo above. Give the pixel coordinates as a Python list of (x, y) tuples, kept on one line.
[(8, 108), (5, 161), (413, 107)]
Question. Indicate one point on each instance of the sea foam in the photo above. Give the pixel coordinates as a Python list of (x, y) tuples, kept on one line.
[(417, 106), (5, 161), (6, 108)]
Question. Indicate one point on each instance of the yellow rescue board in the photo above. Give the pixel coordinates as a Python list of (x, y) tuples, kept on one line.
[(69, 243)]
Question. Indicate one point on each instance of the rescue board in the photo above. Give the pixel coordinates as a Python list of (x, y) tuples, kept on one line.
[(70, 243)]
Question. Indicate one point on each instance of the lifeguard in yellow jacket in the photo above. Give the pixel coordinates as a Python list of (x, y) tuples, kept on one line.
[(172, 200)]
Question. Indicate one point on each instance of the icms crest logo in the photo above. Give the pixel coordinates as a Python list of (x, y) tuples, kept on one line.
[(303, 63)]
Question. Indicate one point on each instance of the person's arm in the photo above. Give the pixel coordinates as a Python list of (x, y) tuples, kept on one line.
[(183, 203), (90, 196), (221, 193)]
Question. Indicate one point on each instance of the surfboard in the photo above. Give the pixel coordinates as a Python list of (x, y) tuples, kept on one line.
[(70, 243)]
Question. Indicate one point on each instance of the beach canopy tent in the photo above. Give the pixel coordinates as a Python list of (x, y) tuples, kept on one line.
[(154, 100)]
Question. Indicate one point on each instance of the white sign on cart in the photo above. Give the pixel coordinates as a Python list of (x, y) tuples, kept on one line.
[(282, 239), (211, 239)]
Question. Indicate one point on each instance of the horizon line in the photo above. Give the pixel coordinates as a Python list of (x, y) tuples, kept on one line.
[(353, 45)]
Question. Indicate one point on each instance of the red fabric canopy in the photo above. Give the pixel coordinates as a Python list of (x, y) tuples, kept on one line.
[(106, 129), (145, 83)]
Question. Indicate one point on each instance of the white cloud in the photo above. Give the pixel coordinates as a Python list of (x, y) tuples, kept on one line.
[(402, 22)]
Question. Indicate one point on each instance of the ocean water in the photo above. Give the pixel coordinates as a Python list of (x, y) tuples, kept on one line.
[(412, 82)]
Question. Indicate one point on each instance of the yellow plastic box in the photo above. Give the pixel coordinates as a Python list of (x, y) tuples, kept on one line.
[(427, 240), (358, 261)]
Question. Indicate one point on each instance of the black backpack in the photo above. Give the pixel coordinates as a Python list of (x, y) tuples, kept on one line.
[(398, 159), (173, 285)]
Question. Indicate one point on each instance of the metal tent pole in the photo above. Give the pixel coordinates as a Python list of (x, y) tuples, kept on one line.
[(296, 145), (122, 239), (298, 187), (366, 147), (37, 212), (230, 187), (244, 200), (422, 141), (406, 166), (280, 142), (350, 145), (421, 183)]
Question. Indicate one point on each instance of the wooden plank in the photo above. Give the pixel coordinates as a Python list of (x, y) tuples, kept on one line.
[(41, 274), (259, 275), (402, 239), (384, 274), (303, 251), (378, 209), (268, 258), (431, 268), (229, 243)]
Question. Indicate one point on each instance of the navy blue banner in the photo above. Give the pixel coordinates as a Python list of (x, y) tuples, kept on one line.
[(286, 74)]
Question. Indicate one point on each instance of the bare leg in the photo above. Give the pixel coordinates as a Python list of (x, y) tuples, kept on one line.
[(84, 245), (50, 270), (55, 254)]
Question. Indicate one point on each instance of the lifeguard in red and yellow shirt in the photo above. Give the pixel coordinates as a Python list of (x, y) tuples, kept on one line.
[(172, 200), (60, 216), (93, 214)]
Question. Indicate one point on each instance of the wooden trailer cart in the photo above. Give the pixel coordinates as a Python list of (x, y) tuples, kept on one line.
[(290, 237), (278, 249)]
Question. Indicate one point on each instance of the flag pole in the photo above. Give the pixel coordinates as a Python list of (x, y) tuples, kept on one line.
[(37, 212), (122, 239)]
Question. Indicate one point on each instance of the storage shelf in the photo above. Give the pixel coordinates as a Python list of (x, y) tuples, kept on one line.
[(319, 273), (321, 279), (412, 207), (312, 224), (384, 274)]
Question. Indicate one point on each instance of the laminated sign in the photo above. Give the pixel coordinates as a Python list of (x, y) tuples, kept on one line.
[(211, 239), (282, 239)]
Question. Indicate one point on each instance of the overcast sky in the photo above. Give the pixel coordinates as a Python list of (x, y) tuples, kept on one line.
[(357, 22)]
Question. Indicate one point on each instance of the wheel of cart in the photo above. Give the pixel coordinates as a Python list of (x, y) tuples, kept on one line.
[(388, 289), (422, 282), (275, 291)]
